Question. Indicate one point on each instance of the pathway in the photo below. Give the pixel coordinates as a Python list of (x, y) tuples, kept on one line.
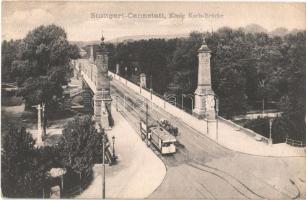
[(138, 172)]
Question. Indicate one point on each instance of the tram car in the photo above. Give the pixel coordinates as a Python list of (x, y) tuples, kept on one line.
[(159, 137)]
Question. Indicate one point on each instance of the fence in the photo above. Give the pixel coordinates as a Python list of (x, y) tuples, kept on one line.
[(295, 143), (197, 124)]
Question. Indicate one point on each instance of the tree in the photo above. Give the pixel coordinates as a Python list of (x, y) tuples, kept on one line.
[(294, 104), (78, 145), (45, 52), (9, 53), (183, 65), (22, 173), (229, 62), (43, 66)]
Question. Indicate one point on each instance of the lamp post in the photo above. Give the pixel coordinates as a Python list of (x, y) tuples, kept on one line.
[(100, 130), (136, 69), (132, 72), (114, 156), (103, 162), (217, 112), (125, 68), (151, 85), (116, 103), (183, 95), (147, 123), (151, 89)]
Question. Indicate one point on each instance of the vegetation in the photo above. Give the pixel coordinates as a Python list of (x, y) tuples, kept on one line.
[(23, 168), (80, 145), (249, 70), (40, 65)]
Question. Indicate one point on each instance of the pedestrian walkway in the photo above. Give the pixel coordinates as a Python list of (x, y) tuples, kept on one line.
[(228, 136), (237, 140), (138, 172)]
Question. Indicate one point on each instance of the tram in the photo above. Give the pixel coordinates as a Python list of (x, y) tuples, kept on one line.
[(159, 137)]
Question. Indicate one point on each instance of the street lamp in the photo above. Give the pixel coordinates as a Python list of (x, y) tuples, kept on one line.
[(125, 68), (114, 156), (151, 82), (183, 95), (132, 72), (116, 103), (151, 89), (100, 130), (103, 162), (136, 69), (217, 113)]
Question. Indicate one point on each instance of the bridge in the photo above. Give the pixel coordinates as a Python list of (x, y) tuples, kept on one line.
[(208, 163), (98, 80)]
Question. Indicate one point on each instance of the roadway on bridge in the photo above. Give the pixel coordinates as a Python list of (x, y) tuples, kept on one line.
[(203, 169)]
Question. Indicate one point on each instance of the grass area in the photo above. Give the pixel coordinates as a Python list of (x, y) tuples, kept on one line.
[(11, 101), (15, 116), (259, 125)]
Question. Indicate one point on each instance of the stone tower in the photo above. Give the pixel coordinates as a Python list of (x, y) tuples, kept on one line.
[(204, 95), (102, 99)]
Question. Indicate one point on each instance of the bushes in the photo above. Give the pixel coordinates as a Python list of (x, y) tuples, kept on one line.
[(25, 168), (259, 125), (281, 128), (11, 101)]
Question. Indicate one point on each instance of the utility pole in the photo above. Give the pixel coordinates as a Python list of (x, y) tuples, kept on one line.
[(182, 101), (147, 123), (103, 162), (217, 111), (116, 103)]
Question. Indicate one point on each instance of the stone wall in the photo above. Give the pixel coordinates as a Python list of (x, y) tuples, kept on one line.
[(195, 123)]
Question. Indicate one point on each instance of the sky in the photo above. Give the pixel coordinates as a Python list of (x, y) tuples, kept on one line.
[(85, 21)]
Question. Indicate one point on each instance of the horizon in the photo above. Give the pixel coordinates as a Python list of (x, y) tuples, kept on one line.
[(85, 21)]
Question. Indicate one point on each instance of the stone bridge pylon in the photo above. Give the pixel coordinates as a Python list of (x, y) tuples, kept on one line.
[(204, 95), (96, 85)]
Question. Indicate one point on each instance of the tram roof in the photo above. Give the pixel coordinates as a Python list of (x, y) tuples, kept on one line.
[(163, 134)]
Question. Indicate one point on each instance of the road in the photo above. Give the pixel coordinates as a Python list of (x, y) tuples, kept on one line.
[(202, 168)]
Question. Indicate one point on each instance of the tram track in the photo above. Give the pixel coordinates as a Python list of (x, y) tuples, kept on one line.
[(213, 171), (213, 150), (235, 183)]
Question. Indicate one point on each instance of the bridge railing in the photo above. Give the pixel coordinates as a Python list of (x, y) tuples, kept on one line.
[(160, 101), (199, 125), (188, 118), (147, 90), (295, 143)]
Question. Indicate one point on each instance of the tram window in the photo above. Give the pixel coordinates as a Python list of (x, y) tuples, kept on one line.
[(167, 144)]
